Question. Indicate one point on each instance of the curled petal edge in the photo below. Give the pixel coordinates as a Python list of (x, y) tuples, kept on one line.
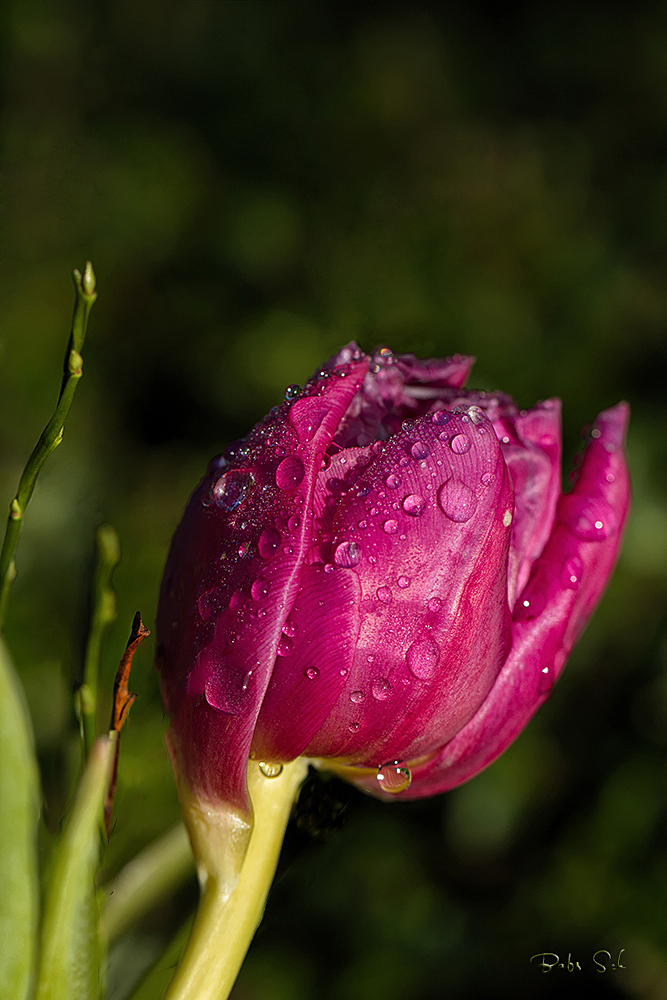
[(540, 646)]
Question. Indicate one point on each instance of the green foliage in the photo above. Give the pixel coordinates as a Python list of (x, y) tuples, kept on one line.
[(19, 815), (70, 956), (258, 182)]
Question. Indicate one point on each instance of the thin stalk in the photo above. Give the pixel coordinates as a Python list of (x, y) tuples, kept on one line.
[(103, 613), (228, 916), (145, 881), (52, 434)]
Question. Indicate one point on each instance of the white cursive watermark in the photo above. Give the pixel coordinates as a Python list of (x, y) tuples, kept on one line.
[(603, 961)]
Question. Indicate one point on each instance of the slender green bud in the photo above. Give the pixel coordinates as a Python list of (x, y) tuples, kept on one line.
[(75, 363), (88, 281)]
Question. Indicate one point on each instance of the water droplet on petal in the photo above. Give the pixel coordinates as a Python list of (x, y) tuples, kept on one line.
[(210, 603), (486, 478), (545, 681), (290, 473), (294, 523), (591, 523), (347, 554), (384, 595), (572, 571), (311, 673), (530, 608), (328, 568), (229, 690), (292, 391), (363, 490), (343, 671), (457, 501), (270, 770), (419, 450), (507, 518), (363, 525), (290, 629), (285, 646), (306, 416), (269, 541), (390, 527), (381, 689), (260, 589), (393, 778), (357, 697), (422, 658), (441, 417), (393, 481), (231, 489), (460, 444), (353, 727), (413, 505), (434, 604), (403, 582)]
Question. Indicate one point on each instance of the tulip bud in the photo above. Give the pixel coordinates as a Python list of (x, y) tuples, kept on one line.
[(384, 578)]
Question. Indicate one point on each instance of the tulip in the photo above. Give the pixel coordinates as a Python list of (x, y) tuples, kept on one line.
[(383, 578)]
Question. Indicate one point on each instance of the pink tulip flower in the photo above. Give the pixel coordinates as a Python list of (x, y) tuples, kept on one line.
[(383, 577)]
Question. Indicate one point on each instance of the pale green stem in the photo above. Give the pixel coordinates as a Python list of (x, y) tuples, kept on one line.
[(52, 434), (230, 909), (102, 614), (154, 874)]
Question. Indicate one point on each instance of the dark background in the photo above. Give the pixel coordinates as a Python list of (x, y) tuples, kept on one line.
[(258, 183)]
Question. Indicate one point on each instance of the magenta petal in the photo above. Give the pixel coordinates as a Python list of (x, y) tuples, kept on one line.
[(426, 532), (232, 575), (566, 584), (314, 658), (533, 456), (397, 387)]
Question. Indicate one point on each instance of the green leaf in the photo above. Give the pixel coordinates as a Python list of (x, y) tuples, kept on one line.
[(158, 977), (70, 961), (19, 815)]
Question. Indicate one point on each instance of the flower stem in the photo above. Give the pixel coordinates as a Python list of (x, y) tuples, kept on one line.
[(52, 434), (228, 917), (102, 615)]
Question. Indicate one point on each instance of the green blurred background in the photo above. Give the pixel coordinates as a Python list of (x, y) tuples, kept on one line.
[(258, 183)]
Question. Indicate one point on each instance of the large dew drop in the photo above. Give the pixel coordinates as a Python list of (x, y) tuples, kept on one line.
[(268, 543), (413, 505), (441, 417), (393, 778), (419, 450), (285, 646), (460, 444), (260, 589), (290, 473), (381, 688), (457, 501), (269, 769), (231, 489), (422, 658), (347, 554), (229, 691)]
